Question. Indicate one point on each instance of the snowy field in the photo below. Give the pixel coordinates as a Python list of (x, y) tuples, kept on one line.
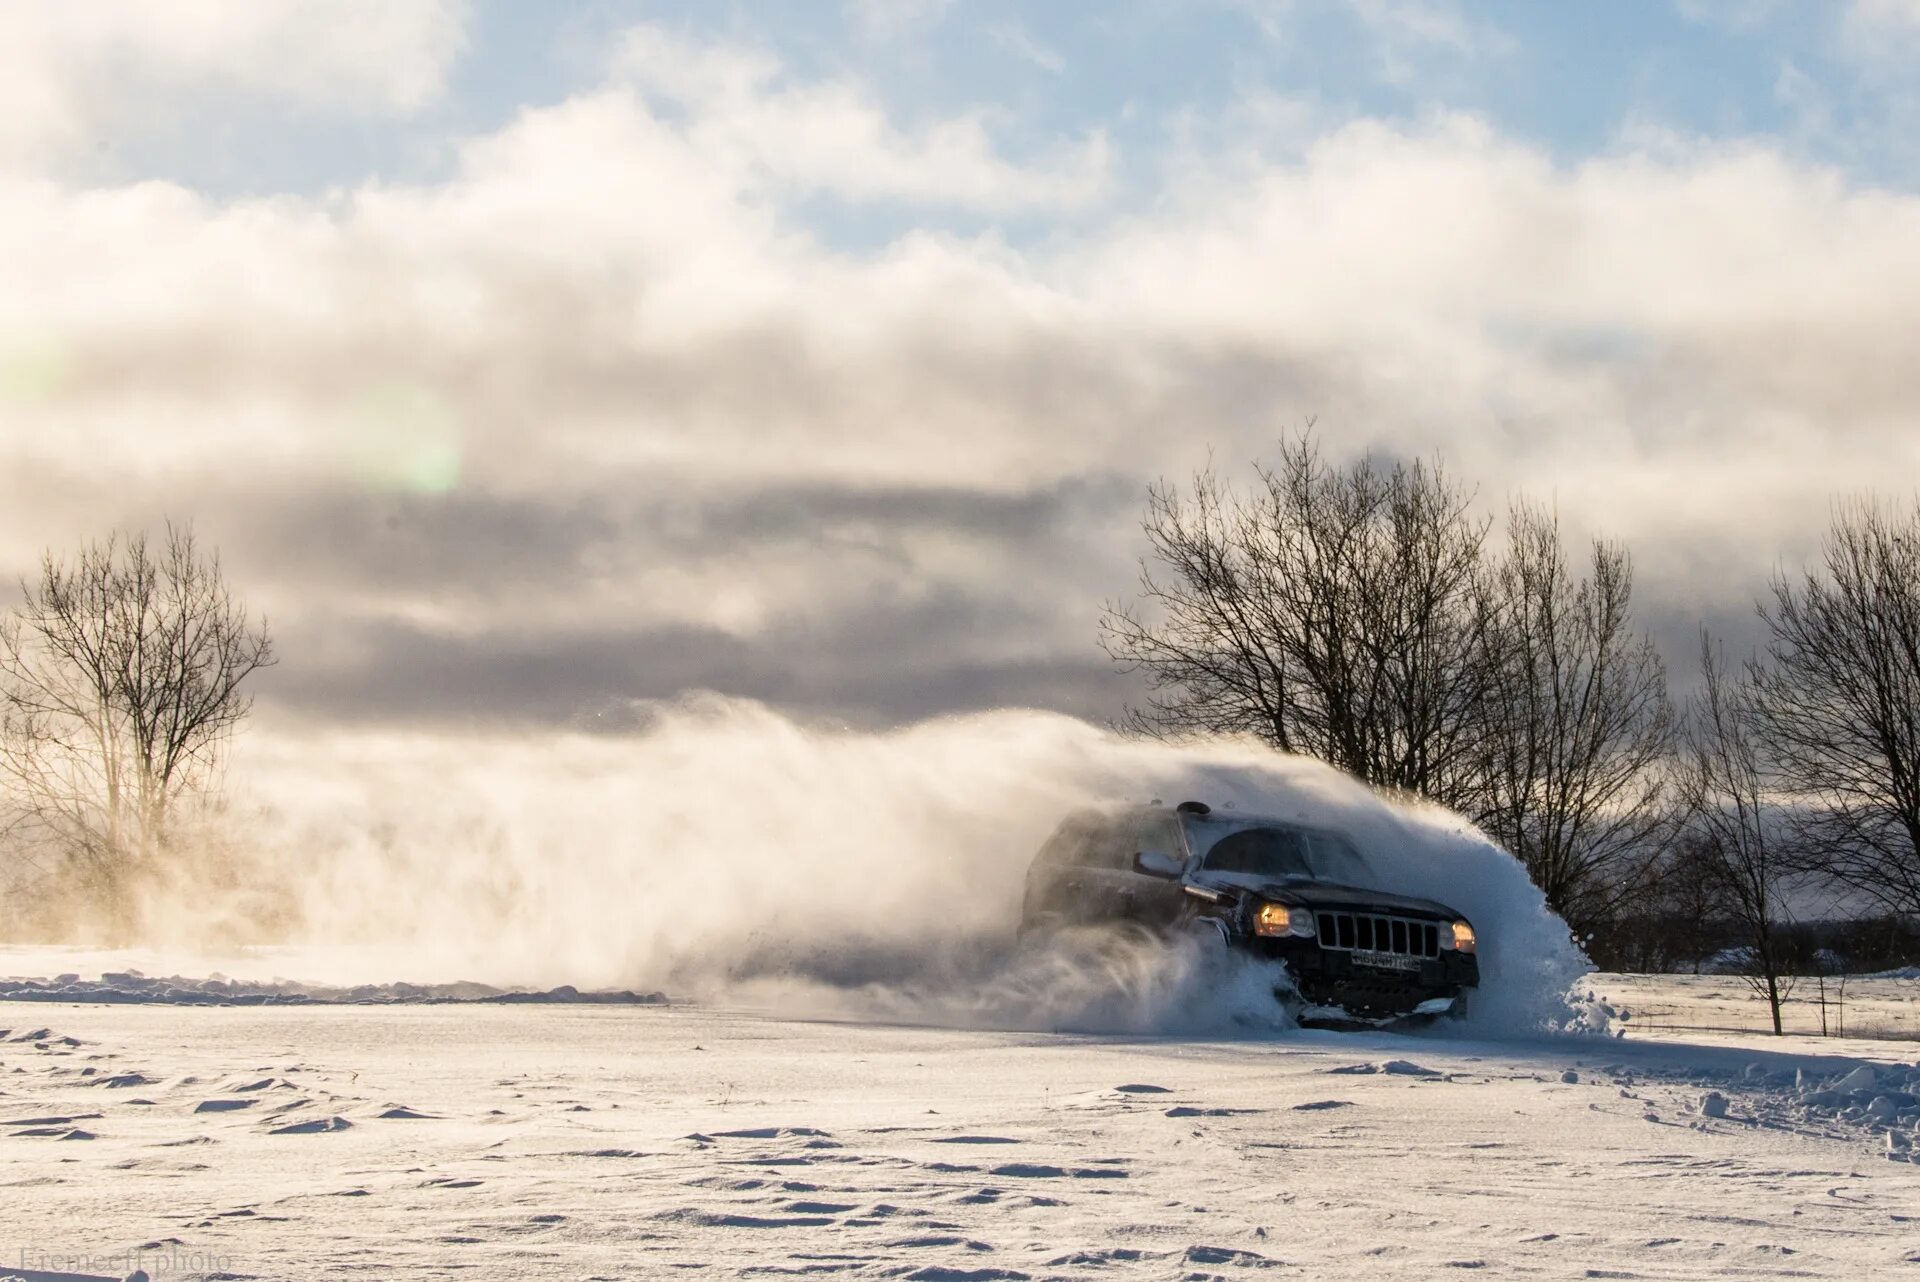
[(1686, 1005), (635, 1141), (861, 1075)]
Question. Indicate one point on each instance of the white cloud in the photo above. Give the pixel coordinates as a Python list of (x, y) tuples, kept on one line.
[(1018, 41), (896, 17), (1892, 12), (1738, 14), (1411, 40), (1880, 43), (1882, 37), (1427, 22), (746, 113), (1409, 35), (70, 71)]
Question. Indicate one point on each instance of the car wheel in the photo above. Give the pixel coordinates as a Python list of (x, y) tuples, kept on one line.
[(1456, 1011), (1208, 934), (1207, 945)]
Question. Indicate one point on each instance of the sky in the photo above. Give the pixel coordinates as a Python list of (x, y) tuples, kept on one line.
[(528, 363)]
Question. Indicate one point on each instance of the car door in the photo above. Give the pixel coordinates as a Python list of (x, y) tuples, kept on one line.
[(1064, 883), (1152, 901), (1111, 891)]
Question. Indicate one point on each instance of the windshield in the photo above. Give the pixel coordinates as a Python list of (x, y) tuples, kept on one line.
[(1335, 859), (1268, 850), (1265, 852)]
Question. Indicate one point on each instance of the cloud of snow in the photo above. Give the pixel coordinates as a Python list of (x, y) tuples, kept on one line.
[(729, 853)]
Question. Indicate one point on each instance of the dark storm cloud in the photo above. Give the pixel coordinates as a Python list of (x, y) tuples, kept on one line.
[(803, 511), (475, 538), (931, 598), (882, 667), (530, 616)]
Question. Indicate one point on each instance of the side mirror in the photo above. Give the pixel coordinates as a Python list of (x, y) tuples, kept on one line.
[(1152, 863)]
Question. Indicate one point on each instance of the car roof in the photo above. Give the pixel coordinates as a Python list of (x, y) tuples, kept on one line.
[(1220, 814)]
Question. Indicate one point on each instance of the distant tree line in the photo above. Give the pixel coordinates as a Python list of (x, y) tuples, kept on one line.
[(1367, 615), (1660, 940)]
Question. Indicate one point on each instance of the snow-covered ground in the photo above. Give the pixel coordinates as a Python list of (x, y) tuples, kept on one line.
[(633, 1141)]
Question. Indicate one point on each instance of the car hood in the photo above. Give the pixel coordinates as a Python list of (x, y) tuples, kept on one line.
[(1308, 893)]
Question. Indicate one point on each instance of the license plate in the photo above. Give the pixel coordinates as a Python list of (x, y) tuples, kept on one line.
[(1385, 961)]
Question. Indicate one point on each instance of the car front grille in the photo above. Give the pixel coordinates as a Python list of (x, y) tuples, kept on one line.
[(1372, 932)]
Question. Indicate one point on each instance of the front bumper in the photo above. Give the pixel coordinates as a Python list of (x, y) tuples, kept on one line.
[(1332, 977)]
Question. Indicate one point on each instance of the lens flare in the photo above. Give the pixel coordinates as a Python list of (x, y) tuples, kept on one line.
[(404, 437), (34, 370)]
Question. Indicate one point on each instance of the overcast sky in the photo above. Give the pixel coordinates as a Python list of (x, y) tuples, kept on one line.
[(524, 360)]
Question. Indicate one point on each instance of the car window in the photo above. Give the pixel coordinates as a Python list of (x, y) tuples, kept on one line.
[(1071, 841), (1264, 852), (1091, 841), (1119, 838), (1159, 833)]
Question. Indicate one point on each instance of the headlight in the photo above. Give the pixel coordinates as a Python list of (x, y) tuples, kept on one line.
[(1463, 937), (1280, 920)]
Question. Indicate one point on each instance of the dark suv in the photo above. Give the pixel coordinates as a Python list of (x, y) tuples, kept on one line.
[(1277, 888)]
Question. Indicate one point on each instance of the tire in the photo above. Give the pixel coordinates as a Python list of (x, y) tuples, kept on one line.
[(1208, 941), (1208, 932), (1456, 1011)]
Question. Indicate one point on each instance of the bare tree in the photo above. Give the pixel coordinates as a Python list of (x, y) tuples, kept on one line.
[(120, 681), (1330, 612), (1730, 809), (1686, 892), (1839, 701), (1578, 724)]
